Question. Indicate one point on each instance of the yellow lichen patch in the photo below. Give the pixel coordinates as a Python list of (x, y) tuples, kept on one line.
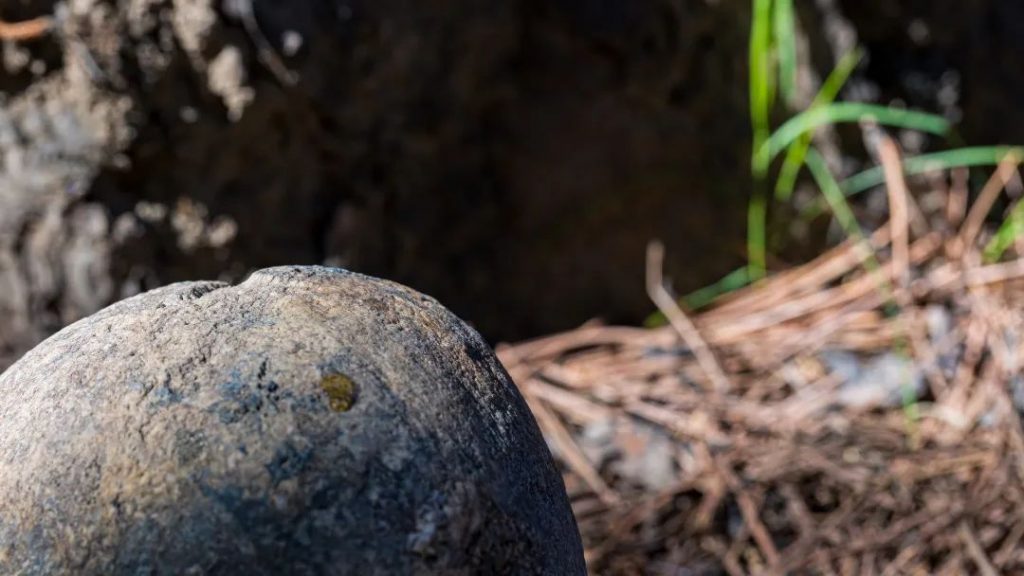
[(340, 390)]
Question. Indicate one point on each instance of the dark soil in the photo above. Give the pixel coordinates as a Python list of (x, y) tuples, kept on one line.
[(482, 152)]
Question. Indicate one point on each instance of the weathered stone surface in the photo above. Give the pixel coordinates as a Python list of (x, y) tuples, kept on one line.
[(307, 421)]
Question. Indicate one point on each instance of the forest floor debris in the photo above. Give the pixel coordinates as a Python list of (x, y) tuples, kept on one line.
[(835, 418)]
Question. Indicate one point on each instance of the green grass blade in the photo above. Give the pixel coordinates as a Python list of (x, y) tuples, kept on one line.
[(784, 19), (838, 112), (966, 157), (729, 283), (796, 153), (1009, 231), (836, 200), (837, 78), (956, 158), (757, 225), (833, 195), (762, 83)]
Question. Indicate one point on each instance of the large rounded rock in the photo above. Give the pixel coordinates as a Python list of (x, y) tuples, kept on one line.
[(307, 421)]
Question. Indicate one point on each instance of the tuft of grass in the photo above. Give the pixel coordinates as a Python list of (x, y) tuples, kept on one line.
[(773, 51), (802, 126), (773, 68)]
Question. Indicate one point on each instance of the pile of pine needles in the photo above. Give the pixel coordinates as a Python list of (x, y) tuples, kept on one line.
[(731, 441)]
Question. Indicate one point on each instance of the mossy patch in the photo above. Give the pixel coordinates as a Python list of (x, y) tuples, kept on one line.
[(340, 390)]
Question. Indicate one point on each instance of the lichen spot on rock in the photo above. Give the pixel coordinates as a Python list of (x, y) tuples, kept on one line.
[(340, 390)]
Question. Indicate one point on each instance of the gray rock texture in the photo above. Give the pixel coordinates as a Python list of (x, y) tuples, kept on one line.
[(306, 421)]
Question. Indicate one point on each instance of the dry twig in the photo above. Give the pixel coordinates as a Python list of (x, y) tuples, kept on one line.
[(678, 319), (26, 30)]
